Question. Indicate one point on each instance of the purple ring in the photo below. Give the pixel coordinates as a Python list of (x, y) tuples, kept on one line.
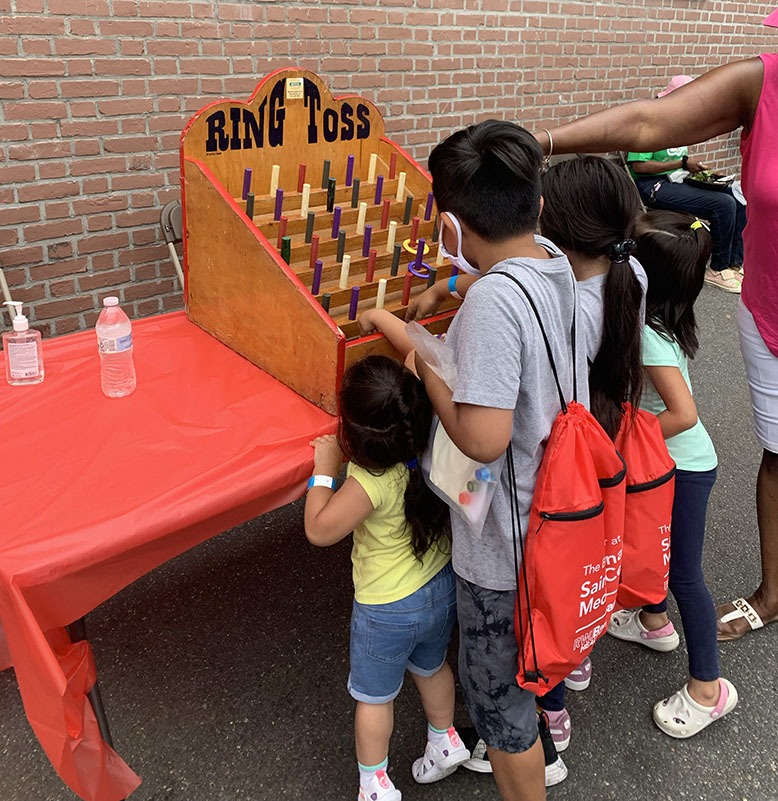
[(412, 269)]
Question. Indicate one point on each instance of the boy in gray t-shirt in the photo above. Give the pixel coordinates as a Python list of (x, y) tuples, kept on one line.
[(486, 181)]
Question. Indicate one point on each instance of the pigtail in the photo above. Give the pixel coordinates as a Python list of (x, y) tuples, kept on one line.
[(616, 374)]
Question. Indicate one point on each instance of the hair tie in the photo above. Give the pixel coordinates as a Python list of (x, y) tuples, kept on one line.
[(619, 252), (698, 223), (412, 464)]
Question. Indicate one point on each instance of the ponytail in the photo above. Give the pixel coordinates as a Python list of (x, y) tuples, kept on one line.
[(427, 515), (616, 374)]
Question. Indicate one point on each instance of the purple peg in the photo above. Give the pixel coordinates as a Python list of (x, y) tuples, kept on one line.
[(428, 207), (349, 170), (352, 306), (246, 182), (379, 189), (316, 277), (279, 204), (366, 241)]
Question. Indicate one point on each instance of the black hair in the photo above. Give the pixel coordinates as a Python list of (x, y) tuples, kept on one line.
[(385, 418), (488, 176), (674, 256), (591, 208)]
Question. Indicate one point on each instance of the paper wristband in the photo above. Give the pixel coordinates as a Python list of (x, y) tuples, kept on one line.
[(321, 481), (452, 288)]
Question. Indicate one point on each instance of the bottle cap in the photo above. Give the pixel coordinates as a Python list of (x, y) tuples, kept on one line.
[(111, 301)]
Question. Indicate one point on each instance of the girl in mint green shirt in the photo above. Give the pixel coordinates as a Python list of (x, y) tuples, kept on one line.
[(674, 248)]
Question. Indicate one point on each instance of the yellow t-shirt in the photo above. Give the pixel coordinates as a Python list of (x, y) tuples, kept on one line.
[(384, 566)]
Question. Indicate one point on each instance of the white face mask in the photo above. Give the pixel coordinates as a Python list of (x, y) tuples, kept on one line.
[(459, 261)]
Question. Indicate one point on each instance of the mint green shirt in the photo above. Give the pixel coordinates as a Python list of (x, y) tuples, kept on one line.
[(691, 449), (671, 154)]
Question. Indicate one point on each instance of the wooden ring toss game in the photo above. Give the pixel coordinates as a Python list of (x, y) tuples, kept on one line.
[(296, 210)]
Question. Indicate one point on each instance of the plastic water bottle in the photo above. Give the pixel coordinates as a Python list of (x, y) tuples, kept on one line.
[(114, 343)]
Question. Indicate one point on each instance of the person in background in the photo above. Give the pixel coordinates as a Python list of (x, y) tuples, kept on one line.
[(726, 215), (740, 94)]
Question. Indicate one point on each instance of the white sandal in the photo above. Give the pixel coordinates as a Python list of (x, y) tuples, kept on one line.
[(745, 610), (681, 716)]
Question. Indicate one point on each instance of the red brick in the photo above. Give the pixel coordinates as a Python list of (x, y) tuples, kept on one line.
[(60, 308), (88, 283), (94, 244)]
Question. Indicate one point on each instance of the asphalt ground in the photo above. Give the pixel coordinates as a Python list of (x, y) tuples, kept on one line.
[(224, 671)]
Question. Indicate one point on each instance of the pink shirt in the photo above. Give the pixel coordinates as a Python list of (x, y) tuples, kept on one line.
[(760, 186)]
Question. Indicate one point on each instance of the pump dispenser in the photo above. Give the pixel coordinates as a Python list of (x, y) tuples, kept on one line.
[(23, 350)]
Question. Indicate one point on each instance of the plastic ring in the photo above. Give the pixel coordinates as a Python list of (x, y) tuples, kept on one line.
[(422, 272), (413, 248)]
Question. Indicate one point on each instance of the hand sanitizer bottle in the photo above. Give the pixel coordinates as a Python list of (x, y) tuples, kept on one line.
[(23, 351)]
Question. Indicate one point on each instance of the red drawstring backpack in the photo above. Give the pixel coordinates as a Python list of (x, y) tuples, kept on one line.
[(566, 583), (650, 491)]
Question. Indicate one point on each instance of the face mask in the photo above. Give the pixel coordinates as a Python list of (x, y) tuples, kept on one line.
[(459, 261)]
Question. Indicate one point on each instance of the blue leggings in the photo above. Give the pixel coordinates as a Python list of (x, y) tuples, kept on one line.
[(687, 583)]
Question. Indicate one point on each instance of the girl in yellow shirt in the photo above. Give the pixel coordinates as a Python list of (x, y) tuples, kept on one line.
[(405, 598)]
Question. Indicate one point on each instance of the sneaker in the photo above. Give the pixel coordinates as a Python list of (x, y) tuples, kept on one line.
[(479, 756), (439, 762), (727, 279), (559, 723), (681, 716), (556, 770), (581, 677), (625, 625), (380, 788)]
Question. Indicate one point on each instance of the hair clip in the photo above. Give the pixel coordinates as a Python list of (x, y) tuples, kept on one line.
[(619, 251), (698, 223), (413, 463)]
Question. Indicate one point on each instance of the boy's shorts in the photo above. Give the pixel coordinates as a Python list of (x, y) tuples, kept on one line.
[(762, 374), (410, 634), (503, 714)]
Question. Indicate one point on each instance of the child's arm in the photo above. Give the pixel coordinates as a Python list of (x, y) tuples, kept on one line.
[(330, 515), (681, 412), (393, 328), (480, 432), (426, 304)]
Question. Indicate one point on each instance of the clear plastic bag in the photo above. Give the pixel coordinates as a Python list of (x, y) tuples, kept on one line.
[(466, 485)]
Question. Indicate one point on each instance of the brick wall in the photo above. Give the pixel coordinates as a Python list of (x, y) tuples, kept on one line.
[(94, 95)]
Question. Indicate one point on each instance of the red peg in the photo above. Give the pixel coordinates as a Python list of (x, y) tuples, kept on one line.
[(407, 289), (370, 265), (300, 177), (392, 166), (385, 213), (314, 250), (414, 231), (281, 230)]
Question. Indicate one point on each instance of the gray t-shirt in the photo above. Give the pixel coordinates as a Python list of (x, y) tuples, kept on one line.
[(502, 363), (591, 296)]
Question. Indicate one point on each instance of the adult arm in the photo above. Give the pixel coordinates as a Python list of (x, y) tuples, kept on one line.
[(656, 167), (716, 103)]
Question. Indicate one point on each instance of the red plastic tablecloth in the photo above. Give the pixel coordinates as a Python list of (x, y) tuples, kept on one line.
[(96, 492)]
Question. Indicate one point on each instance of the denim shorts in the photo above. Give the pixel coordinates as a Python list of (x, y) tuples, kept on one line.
[(410, 634), (503, 714)]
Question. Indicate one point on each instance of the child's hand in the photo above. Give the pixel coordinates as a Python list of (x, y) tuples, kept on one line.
[(368, 322), (327, 456), (426, 304)]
